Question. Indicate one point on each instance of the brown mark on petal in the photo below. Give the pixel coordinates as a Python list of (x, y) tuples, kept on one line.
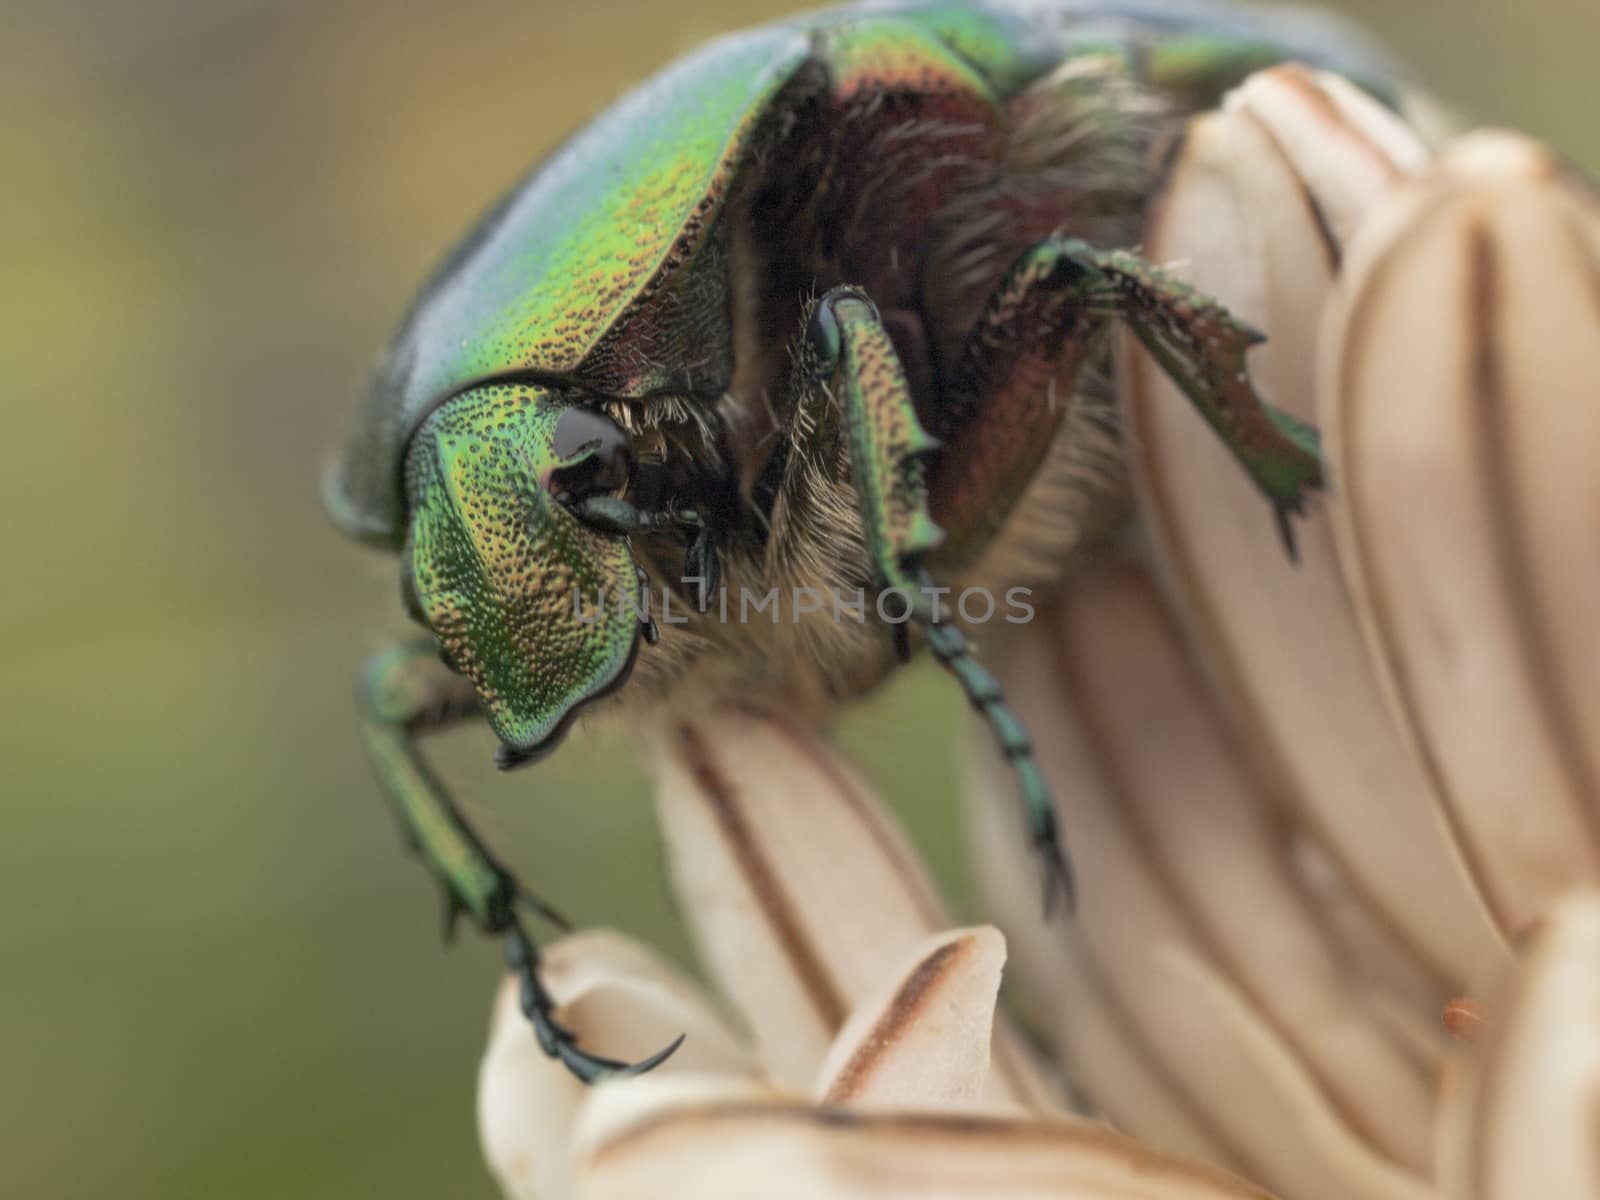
[(1340, 129), (1299, 80), (1006, 1061), (1464, 1019), (776, 905), (909, 1003), (1313, 206), (1493, 407)]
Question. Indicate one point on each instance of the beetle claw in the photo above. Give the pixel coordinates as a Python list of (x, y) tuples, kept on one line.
[(1285, 515), (559, 1042), (1060, 889), (655, 1060), (591, 1068)]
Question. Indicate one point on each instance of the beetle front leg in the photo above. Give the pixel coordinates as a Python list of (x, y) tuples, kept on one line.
[(1038, 332), (403, 694), (851, 393)]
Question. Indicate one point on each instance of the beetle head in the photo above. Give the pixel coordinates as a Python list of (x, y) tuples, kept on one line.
[(525, 600)]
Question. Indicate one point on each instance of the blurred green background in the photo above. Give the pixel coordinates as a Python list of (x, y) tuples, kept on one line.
[(220, 975)]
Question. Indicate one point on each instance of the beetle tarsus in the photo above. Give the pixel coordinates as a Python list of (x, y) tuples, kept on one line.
[(985, 694), (1060, 887), (559, 1042)]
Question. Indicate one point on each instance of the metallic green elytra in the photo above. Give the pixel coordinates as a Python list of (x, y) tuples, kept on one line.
[(821, 307)]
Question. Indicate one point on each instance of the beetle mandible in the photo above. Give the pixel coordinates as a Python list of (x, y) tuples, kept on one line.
[(821, 307)]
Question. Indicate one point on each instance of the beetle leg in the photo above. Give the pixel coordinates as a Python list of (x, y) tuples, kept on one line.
[(853, 391), (404, 693), (1203, 347), (1044, 324)]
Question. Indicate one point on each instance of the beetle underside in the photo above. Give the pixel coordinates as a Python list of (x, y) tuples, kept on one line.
[(1077, 152)]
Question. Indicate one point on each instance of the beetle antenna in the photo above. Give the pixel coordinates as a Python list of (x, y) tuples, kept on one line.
[(701, 567)]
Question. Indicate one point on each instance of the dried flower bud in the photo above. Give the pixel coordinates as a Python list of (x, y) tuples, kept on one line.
[(1261, 201)]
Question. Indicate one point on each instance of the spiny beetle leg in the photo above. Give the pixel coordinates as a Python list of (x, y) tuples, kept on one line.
[(1204, 348), (1044, 324), (853, 360), (1013, 387), (850, 371), (405, 693)]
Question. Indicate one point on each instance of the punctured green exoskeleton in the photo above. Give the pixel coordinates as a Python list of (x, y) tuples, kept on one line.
[(821, 306)]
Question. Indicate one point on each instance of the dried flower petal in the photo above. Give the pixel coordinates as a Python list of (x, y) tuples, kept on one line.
[(1068, 998), (1176, 850), (800, 889), (1463, 420), (923, 1042), (736, 1148), (1259, 205)]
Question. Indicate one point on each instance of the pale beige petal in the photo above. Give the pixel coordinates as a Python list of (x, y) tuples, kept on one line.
[(1068, 998), (1343, 146), (1463, 422), (923, 1041), (621, 1000), (1524, 1121), (1256, 213), (1177, 849), (1249, 1058), (743, 1148), (1397, 989), (801, 891)]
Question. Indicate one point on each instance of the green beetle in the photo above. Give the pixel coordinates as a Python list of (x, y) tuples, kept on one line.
[(818, 310)]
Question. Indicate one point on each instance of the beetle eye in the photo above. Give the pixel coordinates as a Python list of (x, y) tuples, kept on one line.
[(604, 455)]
